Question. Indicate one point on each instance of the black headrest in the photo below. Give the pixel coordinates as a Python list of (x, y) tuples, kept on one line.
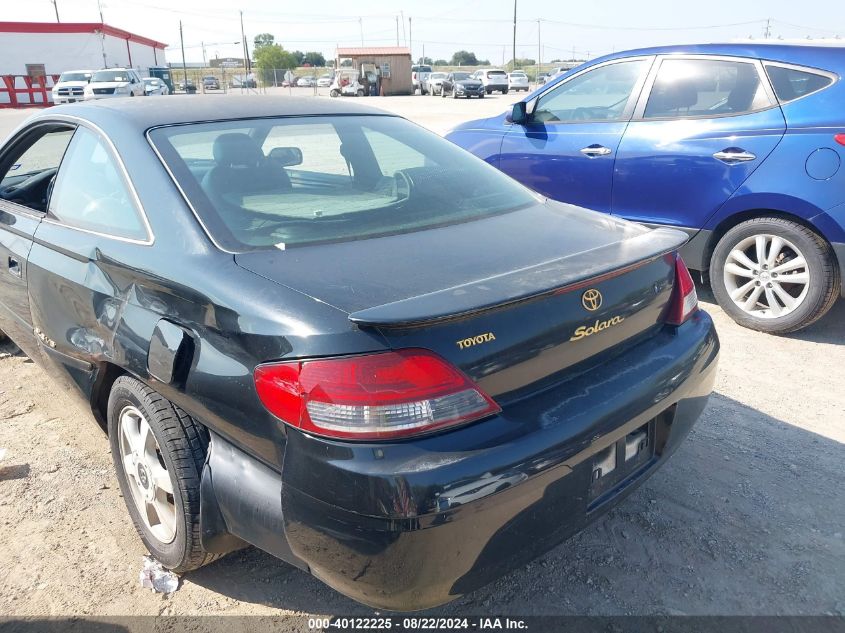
[(236, 149)]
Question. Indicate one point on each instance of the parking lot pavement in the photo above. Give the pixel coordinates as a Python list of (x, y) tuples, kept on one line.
[(747, 517)]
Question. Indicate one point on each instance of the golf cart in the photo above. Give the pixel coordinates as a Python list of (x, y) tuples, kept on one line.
[(346, 84)]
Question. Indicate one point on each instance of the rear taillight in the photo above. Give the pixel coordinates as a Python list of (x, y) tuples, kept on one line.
[(839, 138), (376, 396), (684, 298)]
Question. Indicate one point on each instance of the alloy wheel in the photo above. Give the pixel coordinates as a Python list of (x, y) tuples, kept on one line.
[(146, 473), (766, 276)]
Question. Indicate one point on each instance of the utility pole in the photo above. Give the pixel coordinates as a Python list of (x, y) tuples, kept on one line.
[(767, 31), (539, 50), (397, 30), (514, 35), (361, 26), (411, 38), (404, 36), (184, 67), (56, 8), (247, 65), (204, 61)]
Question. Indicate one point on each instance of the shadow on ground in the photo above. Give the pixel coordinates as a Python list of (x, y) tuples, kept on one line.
[(746, 518)]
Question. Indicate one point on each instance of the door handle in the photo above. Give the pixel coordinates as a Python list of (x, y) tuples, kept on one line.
[(595, 149), (732, 155), (14, 266)]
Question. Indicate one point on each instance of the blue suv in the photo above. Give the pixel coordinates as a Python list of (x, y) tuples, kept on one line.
[(739, 145)]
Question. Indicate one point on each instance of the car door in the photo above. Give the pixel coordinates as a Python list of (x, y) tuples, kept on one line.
[(81, 278), (702, 126), (567, 147), (28, 166)]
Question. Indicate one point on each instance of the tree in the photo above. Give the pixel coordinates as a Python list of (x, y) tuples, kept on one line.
[(521, 63), (315, 59), (300, 57), (464, 58), (264, 39), (440, 62), (425, 61), (273, 57)]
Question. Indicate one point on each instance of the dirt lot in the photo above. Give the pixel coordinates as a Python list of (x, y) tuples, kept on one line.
[(747, 518)]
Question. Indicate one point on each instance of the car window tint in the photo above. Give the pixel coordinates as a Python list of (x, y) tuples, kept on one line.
[(705, 87), (596, 95), (91, 193), (792, 83), (394, 177), (23, 182), (319, 143)]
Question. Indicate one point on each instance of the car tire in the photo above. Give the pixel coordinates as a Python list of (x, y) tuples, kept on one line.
[(161, 444), (334, 93), (757, 294), (505, 91), (481, 96), (359, 93), (442, 93), (488, 91)]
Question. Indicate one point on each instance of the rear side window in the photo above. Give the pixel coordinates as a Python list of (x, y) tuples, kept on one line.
[(705, 87), (792, 83), (91, 193)]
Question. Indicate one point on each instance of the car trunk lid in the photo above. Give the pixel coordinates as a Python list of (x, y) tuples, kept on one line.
[(513, 299)]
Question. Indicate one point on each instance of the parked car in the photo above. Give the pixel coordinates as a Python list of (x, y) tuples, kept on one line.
[(431, 85), (328, 385), (70, 87), (114, 82), (183, 86), (325, 80), (518, 80), (460, 84), (306, 82), (493, 80), (543, 78), (155, 86), (738, 145), (418, 76), (210, 82)]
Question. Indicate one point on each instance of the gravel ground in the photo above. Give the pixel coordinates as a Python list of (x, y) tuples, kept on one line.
[(747, 518)]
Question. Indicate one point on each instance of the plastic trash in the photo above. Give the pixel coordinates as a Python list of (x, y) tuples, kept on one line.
[(2, 454), (154, 576)]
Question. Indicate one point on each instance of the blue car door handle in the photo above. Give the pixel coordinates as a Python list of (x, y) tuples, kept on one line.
[(733, 155), (596, 150)]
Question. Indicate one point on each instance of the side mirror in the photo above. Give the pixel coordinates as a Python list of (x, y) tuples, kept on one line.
[(519, 113), (286, 156)]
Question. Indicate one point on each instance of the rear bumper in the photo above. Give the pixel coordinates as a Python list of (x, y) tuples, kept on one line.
[(411, 525)]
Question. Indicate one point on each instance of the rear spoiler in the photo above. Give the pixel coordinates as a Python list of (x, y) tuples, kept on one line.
[(558, 275)]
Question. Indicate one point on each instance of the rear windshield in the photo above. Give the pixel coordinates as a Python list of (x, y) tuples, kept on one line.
[(422, 69), (74, 77), (286, 182), (110, 75), (496, 73)]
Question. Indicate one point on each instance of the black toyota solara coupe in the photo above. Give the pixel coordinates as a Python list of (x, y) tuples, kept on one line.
[(319, 329)]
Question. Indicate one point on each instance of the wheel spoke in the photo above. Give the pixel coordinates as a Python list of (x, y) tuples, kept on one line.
[(166, 513), (774, 306), (742, 258), (148, 440), (774, 250), (751, 301), (796, 278), (760, 248), (787, 299), (792, 264), (161, 479), (128, 426), (129, 465), (740, 292), (739, 271)]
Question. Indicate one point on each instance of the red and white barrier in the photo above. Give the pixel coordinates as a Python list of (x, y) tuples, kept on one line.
[(23, 91)]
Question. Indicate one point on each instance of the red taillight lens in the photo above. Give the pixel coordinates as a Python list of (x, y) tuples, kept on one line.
[(684, 298), (839, 138), (377, 396)]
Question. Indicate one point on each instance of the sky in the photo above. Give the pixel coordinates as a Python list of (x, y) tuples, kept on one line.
[(440, 27)]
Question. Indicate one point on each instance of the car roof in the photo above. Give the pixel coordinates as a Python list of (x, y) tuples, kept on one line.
[(125, 114), (805, 53)]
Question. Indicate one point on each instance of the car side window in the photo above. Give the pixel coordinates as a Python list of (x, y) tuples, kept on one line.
[(28, 173), (321, 148), (91, 192), (705, 87), (596, 95), (793, 83)]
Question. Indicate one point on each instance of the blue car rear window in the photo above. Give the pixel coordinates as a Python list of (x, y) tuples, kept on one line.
[(792, 83)]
